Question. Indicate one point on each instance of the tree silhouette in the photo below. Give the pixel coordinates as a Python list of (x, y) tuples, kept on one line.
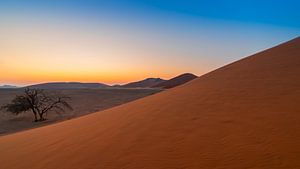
[(38, 102)]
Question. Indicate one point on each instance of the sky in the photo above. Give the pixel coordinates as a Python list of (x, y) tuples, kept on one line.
[(127, 40)]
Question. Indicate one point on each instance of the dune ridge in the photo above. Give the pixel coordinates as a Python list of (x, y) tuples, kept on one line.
[(243, 115), (176, 81), (146, 83)]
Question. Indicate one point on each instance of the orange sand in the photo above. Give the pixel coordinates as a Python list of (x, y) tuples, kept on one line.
[(243, 115)]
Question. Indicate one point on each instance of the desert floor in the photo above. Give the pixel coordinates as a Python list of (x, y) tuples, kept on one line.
[(83, 101)]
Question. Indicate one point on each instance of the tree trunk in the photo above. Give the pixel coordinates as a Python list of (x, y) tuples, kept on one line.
[(41, 116), (35, 115)]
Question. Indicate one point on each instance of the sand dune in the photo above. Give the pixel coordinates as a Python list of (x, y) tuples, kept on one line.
[(243, 115), (176, 81), (146, 83)]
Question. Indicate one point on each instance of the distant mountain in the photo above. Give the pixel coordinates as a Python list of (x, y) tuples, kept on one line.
[(146, 83), (149, 82), (8, 87), (176, 81), (68, 85), (116, 86)]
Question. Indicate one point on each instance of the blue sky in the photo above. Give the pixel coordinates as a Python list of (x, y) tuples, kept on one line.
[(160, 38), (275, 12)]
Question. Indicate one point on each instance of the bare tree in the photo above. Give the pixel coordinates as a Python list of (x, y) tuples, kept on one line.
[(38, 102)]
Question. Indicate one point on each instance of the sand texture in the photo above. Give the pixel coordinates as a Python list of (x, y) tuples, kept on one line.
[(241, 116)]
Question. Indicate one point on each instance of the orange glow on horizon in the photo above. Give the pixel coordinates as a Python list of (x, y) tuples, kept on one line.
[(42, 51), (30, 75), (110, 79)]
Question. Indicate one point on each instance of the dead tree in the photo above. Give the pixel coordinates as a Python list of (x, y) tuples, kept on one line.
[(38, 102)]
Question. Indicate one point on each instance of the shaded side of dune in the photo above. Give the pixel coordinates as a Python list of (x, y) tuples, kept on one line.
[(176, 81)]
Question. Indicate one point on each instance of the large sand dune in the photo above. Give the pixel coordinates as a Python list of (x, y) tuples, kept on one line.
[(244, 115)]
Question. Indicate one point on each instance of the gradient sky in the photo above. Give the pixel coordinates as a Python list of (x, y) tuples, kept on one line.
[(121, 41)]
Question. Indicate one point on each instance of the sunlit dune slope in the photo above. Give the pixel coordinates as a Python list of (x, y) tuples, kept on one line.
[(243, 115)]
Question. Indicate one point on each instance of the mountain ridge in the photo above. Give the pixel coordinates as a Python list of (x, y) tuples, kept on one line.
[(176, 81)]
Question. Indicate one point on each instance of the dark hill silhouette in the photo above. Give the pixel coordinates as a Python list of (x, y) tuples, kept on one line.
[(68, 85), (176, 81), (149, 82), (8, 87)]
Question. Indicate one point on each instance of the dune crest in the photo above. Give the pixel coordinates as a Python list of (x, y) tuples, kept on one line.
[(176, 81), (243, 115)]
